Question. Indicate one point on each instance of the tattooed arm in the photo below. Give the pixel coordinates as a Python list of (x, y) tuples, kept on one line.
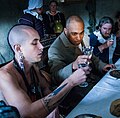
[(42, 107), (53, 99)]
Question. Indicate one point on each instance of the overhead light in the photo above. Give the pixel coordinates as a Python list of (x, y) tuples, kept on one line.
[(60, 0)]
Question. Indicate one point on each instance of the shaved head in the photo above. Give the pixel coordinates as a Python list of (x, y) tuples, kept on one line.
[(74, 30), (19, 34), (73, 19)]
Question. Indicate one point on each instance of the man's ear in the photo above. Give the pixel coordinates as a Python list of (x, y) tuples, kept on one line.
[(65, 30), (17, 48)]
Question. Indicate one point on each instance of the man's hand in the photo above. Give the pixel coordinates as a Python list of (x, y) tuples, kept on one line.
[(107, 44), (110, 43), (82, 59), (108, 67), (77, 77)]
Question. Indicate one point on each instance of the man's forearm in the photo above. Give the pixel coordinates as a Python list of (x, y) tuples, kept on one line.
[(53, 99), (102, 47)]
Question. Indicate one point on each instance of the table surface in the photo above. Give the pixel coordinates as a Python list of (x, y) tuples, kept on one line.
[(99, 99)]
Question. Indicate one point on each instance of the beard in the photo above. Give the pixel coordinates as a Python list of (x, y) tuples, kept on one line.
[(105, 37)]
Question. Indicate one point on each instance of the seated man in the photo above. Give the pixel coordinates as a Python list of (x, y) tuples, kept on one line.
[(65, 56), (103, 40), (21, 82)]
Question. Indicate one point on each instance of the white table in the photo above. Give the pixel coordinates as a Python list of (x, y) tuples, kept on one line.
[(98, 100)]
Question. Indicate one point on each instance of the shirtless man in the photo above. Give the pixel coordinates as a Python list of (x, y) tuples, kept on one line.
[(23, 85)]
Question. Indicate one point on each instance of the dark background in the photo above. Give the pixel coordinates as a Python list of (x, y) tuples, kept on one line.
[(11, 10)]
